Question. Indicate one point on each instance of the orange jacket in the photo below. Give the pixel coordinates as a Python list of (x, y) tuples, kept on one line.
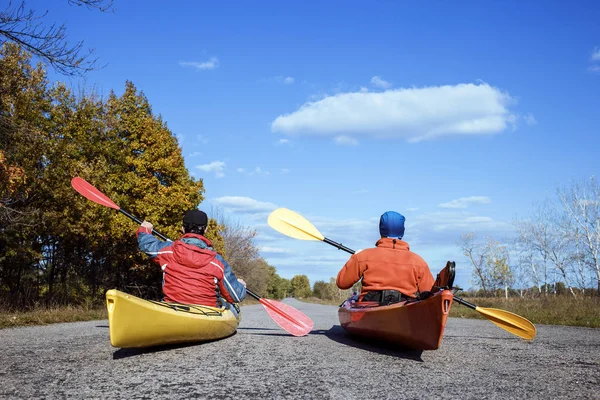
[(390, 265)]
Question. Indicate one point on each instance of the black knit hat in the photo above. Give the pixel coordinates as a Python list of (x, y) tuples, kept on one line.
[(195, 218)]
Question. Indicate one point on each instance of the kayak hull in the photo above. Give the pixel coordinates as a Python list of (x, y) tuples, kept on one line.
[(134, 322), (416, 325)]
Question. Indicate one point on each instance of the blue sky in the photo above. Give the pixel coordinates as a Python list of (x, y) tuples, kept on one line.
[(459, 115)]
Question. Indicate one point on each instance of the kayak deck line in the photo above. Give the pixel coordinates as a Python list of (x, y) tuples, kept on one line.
[(189, 308)]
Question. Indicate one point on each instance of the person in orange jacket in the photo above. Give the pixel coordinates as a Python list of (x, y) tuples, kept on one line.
[(390, 272)]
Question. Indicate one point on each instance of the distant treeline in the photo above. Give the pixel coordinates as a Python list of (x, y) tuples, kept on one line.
[(58, 248)]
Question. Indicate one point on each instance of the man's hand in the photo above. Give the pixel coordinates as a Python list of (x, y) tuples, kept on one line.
[(147, 225), (242, 282)]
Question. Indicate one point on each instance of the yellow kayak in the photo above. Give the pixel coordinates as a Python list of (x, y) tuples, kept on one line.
[(134, 322)]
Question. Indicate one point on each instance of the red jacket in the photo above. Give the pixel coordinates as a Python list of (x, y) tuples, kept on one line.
[(193, 273), (390, 265)]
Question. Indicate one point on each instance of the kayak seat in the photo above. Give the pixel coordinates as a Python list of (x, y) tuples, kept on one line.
[(445, 278), (386, 297)]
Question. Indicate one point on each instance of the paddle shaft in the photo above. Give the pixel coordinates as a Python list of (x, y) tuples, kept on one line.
[(465, 303), (139, 221), (338, 245), (251, 293)]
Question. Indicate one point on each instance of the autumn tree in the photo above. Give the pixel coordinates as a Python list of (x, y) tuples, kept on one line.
[(278, 287), (300, 286), (320, 289), (62, 247), (497, 260), (24, 103)]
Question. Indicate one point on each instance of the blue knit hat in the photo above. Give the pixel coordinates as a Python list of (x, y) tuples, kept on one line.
[(391, 224)]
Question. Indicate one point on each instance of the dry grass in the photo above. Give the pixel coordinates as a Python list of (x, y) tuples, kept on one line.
[(51, 316), (563, 310)]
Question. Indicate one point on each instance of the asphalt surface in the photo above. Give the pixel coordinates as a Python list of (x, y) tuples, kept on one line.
[(477, 360)]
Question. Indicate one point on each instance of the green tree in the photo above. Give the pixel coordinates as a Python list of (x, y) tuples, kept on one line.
[(278, 287), (56, 244), (320, 289), (24, 103), (300, 286)]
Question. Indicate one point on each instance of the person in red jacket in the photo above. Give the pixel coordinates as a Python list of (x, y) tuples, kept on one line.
[(193, 272), (390, 272)]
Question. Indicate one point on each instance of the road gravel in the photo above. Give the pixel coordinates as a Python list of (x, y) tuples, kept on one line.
[(476, 360)]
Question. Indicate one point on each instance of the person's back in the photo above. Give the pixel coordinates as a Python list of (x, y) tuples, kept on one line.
[(389, 266), (193, 273)]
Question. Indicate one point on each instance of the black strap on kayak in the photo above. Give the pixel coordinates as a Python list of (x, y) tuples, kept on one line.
[(386, 297)]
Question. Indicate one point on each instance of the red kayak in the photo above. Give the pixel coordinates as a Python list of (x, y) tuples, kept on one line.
[(415, 324)]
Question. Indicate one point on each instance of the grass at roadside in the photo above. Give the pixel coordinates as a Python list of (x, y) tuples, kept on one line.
[(51, 316), (562, 310)]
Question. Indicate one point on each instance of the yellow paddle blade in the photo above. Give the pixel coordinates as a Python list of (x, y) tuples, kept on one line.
[(510, 322), (293, 224)]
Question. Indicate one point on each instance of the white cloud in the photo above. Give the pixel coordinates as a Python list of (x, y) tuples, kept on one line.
[(594, 68), (256, 171), (596, 54), (284, 80), (195, 153), (380, 83), (529, 119), (445, 228), (464, 202), (276, 250), (243, 205), (204, 65), (412, 209), (345, 141), (216, 166), (414, 114), (363, 89), (285, 171)]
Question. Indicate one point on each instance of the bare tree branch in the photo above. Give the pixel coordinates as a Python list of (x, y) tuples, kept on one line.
[(49, 43)]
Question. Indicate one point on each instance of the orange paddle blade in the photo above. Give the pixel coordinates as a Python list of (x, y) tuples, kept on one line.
[(287, 317), (91, 193)]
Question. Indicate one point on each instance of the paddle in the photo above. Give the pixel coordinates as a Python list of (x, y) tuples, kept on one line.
[(294, 225), (287, 317)]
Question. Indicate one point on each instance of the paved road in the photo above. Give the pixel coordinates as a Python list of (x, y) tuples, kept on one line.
[(477, 360)]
